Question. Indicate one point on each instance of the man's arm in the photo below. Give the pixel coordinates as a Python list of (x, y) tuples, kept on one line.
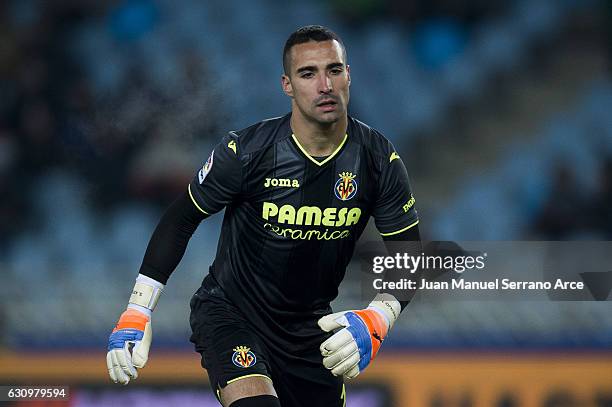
[(169, 241), (361, 332), (129, 343), (410, 242), (350, 350), (217, 183)]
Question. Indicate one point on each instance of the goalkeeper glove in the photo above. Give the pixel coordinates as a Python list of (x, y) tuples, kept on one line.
[(129, 343), (351, 349)]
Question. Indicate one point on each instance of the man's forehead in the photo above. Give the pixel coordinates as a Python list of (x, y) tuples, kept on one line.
[(316, 52)]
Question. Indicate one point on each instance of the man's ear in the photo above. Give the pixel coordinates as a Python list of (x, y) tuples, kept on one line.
[(348, 74), (286, 85)]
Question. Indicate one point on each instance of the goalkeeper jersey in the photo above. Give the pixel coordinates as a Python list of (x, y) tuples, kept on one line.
[(291, 220)]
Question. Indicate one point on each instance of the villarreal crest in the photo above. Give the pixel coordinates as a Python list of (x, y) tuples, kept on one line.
[(243, 357), (346, 186)]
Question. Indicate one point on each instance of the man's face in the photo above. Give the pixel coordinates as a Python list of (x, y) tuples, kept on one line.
[(318, 81)]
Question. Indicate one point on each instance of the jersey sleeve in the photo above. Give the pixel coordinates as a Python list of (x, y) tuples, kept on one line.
[(218, 183), (395, 210)]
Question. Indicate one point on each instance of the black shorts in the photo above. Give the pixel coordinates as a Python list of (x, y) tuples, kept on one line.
[(231, 349)]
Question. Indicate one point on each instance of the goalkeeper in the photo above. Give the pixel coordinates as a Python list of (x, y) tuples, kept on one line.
[(298, 191)]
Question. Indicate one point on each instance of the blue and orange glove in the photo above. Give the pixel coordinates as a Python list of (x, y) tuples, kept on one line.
[(351, 349), (129, 343)]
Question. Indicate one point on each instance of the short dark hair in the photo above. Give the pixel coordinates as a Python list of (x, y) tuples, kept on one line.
[(309, 33)]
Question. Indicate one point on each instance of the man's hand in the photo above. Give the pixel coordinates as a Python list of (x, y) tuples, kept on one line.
[(128, 346), (129, 343), (349, 351)]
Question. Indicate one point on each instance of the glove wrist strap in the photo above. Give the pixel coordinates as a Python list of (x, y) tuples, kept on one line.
[(146, 292), (388, 306)]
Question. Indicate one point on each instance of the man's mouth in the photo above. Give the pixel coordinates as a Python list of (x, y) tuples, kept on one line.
[(327, 102), (327, 105)]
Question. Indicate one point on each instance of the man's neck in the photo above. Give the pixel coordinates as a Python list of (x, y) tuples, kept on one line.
[(319, 140)]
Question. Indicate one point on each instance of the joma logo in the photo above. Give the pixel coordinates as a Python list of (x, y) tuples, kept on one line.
[(281, 182)]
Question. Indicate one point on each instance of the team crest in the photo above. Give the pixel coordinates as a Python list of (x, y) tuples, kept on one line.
[(206, 168), (243, 357), (346, 186)]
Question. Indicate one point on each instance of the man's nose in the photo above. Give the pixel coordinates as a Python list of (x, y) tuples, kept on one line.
[(325, 84)]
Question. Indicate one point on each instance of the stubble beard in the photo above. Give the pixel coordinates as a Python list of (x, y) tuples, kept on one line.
[(324, 120)]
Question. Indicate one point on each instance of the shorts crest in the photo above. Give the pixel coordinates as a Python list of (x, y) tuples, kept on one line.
[(243, 357)]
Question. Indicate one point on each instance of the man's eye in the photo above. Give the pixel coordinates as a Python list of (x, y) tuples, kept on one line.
[(336, 71), (307, 75)]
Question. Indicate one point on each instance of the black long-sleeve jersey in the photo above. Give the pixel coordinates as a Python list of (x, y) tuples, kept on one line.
[(292, 220)]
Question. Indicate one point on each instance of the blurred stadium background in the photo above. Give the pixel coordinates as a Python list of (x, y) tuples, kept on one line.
[(502, 112)]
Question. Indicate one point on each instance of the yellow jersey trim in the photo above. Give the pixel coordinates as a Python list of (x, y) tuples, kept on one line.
[(399, 231), (249, 375), (311, 158), (194, 201), (232, 145)]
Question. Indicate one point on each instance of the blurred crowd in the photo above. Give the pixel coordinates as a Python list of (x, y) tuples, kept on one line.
[(570, 211), (107, 108), (415, 12), (127, 143), (131, 133), (130, 141)]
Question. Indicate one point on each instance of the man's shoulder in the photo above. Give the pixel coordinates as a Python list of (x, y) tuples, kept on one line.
[(371, 139), (262, 134)]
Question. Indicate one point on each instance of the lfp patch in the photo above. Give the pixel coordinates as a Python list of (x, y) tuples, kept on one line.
[(243, 357), (346, 186), (206, 168)]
